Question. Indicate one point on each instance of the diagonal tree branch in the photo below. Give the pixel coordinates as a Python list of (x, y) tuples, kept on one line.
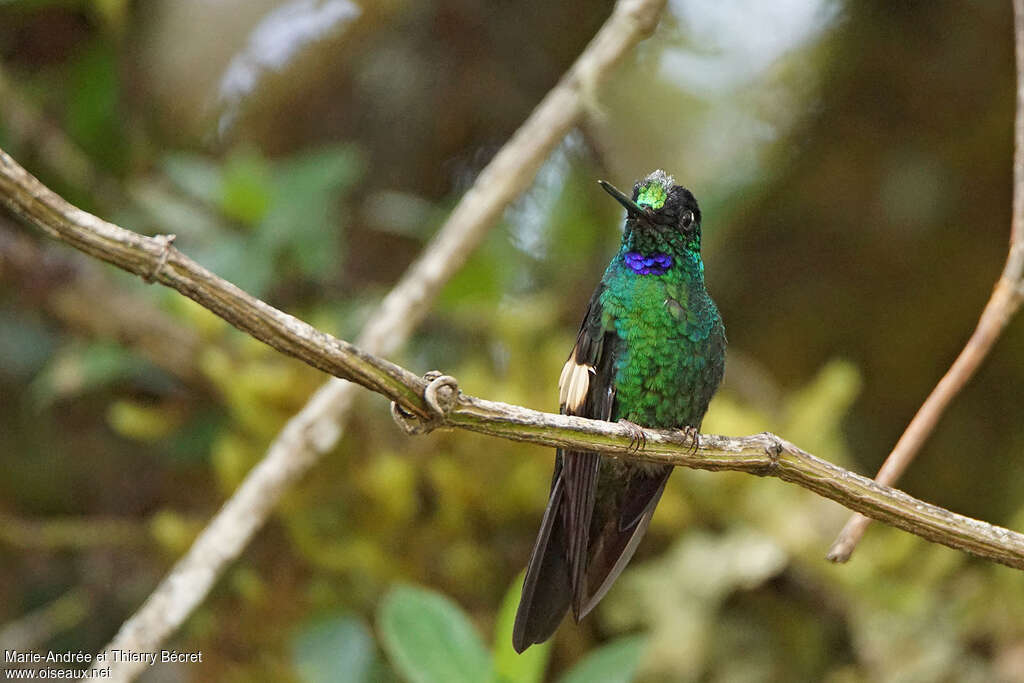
[(1001, 307), (424, 404), (316, 429)]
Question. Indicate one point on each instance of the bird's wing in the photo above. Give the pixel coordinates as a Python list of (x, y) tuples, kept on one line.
[(600, 543), (558, 563), (585, 389)]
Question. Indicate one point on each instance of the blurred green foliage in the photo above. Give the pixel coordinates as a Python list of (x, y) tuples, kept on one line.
[(855, 194), (93, 106), (430, 640), (266, 220), (328, 645)]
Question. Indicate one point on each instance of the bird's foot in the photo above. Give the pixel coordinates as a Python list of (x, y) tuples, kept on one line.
[(693, 435), (637, 435)]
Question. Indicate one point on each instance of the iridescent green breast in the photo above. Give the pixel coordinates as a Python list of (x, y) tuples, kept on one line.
[(672, 344)]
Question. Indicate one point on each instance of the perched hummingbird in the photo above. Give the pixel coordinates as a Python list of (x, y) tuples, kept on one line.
[(650, 351)]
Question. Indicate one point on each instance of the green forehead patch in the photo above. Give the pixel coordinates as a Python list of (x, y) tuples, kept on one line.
[(652, 193), (654, 189)]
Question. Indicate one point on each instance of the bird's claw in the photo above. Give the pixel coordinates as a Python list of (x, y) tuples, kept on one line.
[(693, 436), (637, 436)]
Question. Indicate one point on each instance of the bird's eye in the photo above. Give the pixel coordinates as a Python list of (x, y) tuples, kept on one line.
[(686, 220)]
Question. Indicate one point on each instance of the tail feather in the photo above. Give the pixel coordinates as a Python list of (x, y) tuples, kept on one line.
[(547, 589), (552, 585), (579, 483), (612, 548)]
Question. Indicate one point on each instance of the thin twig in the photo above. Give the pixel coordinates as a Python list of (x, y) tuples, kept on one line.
[(1002, 305), (316, 429), (763, 454)]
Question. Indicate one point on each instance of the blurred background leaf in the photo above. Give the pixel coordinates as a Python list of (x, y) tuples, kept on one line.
[(328, 646), (429, 639), (510, 666), (615, 662)]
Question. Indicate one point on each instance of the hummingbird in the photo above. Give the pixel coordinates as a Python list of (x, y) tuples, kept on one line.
[(650, 351)]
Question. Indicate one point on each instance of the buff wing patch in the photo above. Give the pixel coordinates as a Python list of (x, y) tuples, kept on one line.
[(573, 385)]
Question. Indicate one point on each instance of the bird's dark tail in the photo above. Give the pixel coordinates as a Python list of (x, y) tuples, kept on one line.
[(618, 534), (547, 590)]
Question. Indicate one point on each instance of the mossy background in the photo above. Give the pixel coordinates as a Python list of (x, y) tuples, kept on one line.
[(853, 164)]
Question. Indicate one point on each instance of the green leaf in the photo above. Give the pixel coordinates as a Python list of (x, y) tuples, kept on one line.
[(332, 649), (324, 169), (196, 175), (304, 220), (509, 666), (429, 639), (77, 369), (247, 189), (484, 277), (92, 105), (237, 260), (615, 662)]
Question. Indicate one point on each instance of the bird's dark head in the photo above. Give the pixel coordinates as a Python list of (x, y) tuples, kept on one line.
[(660, 216)]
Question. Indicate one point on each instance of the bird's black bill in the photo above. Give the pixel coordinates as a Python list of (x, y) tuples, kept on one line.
[(632, 208)]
